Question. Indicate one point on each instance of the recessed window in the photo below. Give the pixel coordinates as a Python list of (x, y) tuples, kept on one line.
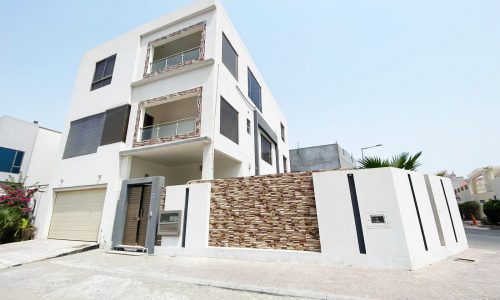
[(254, 91), (285, 163), (229, 56), (265, 150), (249, 129), (103, 72), (282, 132), (10, 160), (228, 121)]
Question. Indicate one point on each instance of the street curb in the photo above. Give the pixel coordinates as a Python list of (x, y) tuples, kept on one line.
[(79, 250)]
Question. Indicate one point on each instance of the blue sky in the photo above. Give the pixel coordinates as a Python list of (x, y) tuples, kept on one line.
[(411, 75)]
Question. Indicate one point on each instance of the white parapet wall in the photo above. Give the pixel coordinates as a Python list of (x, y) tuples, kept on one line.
[(382, 218)]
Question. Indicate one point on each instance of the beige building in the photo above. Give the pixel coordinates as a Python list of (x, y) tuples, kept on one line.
[(482, 185)]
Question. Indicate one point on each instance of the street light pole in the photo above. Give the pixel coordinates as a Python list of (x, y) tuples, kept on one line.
[(362, 156)]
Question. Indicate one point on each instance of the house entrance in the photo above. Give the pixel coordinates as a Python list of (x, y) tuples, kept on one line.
[(136, 221)]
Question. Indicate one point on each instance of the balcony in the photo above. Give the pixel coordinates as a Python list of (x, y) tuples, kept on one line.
[(176, 59), (175, 53), (169, 129), (168, 120)]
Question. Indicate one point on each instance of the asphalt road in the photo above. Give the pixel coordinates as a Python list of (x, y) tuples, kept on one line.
[(482, 237)]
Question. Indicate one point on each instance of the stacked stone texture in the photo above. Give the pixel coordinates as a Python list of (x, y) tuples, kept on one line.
[(163, 195), (266, 212)]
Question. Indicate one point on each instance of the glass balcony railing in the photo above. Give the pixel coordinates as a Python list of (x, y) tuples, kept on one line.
[(168, 129), (175, 59)]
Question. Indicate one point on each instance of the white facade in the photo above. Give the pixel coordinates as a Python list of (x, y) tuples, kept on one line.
[(39, 146), (205, 154), (418, 230)]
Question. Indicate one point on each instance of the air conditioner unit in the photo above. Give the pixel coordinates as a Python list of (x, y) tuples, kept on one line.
[(170, 223)]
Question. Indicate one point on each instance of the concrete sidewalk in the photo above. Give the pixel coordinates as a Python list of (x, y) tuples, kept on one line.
[(97, 275), (15, 254)]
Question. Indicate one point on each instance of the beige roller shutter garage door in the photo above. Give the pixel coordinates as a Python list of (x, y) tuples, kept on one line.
[(77, 215)]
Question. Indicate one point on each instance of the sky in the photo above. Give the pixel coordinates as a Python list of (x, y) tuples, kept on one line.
[(410, 75)]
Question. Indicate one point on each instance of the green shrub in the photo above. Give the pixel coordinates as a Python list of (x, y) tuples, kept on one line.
[(468, 208), (17, 202), (492, 210), (485, 221)]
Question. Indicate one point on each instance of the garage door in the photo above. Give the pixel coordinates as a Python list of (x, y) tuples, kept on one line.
[(77, 215)]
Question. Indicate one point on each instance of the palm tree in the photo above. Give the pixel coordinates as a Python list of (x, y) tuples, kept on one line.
[(402, 161), (442, 173)]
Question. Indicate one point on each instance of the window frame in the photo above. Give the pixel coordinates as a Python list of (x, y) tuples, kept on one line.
[(224, 38), (264, 137), (285, 163), (94, 81), (237, 121), (257, 103), (13, 165)]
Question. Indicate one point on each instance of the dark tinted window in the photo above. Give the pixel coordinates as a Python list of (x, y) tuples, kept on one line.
[(115, 125), (249, 130), (103, 72), (228, 121), (84, 136), (10, 160), (229, 56), (282, 132), (285, 168), (254, 90), (265, 149)]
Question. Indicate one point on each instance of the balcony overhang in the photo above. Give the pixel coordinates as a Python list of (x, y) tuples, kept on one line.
[(171, 153), (183, 69)]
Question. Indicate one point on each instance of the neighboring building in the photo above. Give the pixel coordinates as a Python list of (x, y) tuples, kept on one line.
[(28, 149), (325, 157), (481, 184), (176, 100)]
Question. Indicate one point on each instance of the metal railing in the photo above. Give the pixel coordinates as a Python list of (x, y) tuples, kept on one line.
[(175, 59), (168, 129)]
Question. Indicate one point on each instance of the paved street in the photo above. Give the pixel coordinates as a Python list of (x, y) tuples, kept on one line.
[(98, 275), (483, 238)]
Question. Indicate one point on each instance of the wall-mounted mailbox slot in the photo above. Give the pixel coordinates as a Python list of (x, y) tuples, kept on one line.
[(169, 223), (377, 220)]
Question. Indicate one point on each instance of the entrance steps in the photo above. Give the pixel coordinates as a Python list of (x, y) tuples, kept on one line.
[(129, 250)]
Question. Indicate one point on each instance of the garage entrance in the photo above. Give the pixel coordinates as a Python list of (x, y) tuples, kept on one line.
[(77, 215)]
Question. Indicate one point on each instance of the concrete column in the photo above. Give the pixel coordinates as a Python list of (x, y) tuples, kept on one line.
[(208, 162)]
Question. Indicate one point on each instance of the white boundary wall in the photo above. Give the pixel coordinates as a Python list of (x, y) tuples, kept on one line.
[(398, 243)]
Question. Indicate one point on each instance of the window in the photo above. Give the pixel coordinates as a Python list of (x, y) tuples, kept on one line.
[(229, 56), (254, 90), (115, 125), (84, 136), (228, 121), (282, 132), (249, 129), (10, 160), (265, 149), (103, 72), (285, 168)]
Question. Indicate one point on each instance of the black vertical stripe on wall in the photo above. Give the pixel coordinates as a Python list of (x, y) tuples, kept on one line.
[(449, 211), (418, 212), (357, 215), (184, 218)]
